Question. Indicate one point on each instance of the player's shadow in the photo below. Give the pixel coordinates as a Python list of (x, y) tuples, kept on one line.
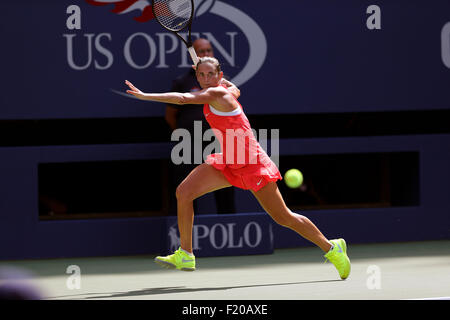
[(182, 289)]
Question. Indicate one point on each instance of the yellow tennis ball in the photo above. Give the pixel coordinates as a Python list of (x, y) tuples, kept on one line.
[(293, 178)]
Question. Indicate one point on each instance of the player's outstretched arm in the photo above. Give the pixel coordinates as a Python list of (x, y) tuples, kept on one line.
[(168, 97), (199, 97)]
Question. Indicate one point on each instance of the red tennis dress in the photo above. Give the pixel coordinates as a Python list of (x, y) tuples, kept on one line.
[(243, 162)]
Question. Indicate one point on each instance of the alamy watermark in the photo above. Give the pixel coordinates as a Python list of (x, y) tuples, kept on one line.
[(373, 281), (73, 282), (240, 146)]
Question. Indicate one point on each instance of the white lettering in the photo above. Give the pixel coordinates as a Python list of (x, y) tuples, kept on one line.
[(213, 147), (275, 146), (167, 44), (373, 21), (98, 47), (151, 45), (237, 151), (212, 236), (221, 236), (445, 44), (247, 234), (104, 51), (198, 137), (183, 147), (74, 20), (69, 45), (229, 56), (197, 235), (374, 280), (74, 281), (238, 155), (193, 310), (231, 244), (162, 47)]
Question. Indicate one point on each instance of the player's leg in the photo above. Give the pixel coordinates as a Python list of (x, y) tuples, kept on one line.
[(202, 180), (272, 201)]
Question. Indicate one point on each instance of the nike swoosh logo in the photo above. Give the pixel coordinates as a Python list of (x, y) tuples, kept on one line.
[(184, 260), (339, 247), (258, 183)]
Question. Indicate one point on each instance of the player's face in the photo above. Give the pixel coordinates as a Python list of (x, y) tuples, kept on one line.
[(208, 76)]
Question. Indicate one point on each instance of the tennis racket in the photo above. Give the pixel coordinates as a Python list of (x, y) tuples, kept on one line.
[(175, 16)]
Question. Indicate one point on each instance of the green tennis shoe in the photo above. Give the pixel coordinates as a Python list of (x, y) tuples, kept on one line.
[(338, 257), (178, 260)]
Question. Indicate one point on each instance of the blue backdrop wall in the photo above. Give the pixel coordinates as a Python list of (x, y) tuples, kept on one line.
[(69, 58)]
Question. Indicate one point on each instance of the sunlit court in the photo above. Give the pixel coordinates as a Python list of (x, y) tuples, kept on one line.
[(225, 156), (413, 270)]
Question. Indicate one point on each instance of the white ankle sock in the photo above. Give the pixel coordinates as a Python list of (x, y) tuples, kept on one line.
[(331, 249), (188, 253)]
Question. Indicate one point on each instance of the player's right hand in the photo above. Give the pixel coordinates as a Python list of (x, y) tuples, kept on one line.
[(134, 91)]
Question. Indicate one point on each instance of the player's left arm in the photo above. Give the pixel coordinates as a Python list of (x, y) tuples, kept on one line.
[(232, 87), (203, 96)]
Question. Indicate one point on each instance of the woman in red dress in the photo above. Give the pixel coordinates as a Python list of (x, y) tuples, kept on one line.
[(242, 163)]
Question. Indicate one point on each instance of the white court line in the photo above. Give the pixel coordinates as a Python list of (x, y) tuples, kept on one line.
[(435, 298)]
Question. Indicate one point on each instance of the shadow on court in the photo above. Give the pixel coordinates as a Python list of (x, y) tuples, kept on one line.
[(179, 289), (145, 264)]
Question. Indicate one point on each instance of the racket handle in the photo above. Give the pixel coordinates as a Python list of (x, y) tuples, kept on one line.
[(193, 55)]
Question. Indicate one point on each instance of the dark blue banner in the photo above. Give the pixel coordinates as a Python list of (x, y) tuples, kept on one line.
[(224, 235), (69, 58)]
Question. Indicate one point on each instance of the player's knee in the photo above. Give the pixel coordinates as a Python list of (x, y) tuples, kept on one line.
[(183, 194), (180, 193)]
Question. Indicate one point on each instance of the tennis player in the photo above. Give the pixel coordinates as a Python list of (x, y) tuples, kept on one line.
[(243, 164)]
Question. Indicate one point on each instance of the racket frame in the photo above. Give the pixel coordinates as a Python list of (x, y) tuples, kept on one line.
[(187, 42)]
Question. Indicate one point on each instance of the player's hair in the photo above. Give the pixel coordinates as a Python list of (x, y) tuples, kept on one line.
[(211, 60)]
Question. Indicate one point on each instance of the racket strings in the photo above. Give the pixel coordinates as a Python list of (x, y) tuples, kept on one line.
[(173, 14)]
